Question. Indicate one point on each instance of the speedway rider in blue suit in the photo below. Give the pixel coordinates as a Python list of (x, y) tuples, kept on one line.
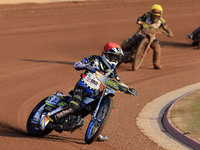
[(89, 85)]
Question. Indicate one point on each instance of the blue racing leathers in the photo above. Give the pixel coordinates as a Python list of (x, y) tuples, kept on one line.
[(88, 85)]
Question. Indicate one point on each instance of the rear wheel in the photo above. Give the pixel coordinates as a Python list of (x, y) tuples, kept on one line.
[(198, 45), (36, 131), (139, 56), (96, 126)]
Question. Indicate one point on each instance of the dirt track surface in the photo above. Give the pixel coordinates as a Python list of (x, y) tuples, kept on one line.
[(32, 1), (40, 43)]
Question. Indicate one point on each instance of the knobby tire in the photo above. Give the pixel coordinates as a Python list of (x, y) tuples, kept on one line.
[(88, 140), (32, 131), (139, 56)]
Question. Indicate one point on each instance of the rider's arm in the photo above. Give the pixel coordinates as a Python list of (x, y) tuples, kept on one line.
[(141, 20), (80, 65), (165, 27), (85, 63)]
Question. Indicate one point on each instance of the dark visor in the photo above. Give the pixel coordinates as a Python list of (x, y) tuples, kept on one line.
[(113, 57)]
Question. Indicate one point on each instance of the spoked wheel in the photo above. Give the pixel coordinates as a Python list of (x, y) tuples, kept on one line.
[(96, 125), (36, 131), (139, 56)]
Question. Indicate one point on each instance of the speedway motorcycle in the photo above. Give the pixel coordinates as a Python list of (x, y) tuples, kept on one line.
[(196, 41), (141, 47), (195, 37), (99, 108)]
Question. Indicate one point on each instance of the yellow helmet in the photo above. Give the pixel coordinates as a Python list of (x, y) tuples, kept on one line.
[(156, 10)]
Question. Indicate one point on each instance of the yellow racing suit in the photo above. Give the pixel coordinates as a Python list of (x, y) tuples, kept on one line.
[(130, 43)]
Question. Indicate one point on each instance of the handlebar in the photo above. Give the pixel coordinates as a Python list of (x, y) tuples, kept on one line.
[(132, 91), (149, 29)]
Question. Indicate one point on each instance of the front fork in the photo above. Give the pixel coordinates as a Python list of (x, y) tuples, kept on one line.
[(94, 118)]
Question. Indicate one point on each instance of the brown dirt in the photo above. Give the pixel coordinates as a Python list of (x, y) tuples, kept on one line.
[(33, 1), (40, 43)]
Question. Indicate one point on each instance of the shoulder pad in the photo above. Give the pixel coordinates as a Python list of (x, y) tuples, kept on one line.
[(147, 14), (163, 21)]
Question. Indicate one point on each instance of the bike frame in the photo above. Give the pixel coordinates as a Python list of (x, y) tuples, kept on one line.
[(109, 85)]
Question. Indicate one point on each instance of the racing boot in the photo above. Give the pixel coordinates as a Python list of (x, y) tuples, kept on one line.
[(102, 138), (44, 121), (157, 67)]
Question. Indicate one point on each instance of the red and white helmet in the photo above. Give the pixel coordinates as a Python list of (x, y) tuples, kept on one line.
[(112, 54)]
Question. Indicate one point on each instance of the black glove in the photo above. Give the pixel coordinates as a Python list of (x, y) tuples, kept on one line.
[(132, 91)]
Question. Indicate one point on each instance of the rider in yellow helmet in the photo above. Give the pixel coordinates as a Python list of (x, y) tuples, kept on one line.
[(155, 20), (156, 12)]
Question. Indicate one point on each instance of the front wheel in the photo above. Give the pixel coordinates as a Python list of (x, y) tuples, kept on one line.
[(140, 54), (96, 125), (35, 116)]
